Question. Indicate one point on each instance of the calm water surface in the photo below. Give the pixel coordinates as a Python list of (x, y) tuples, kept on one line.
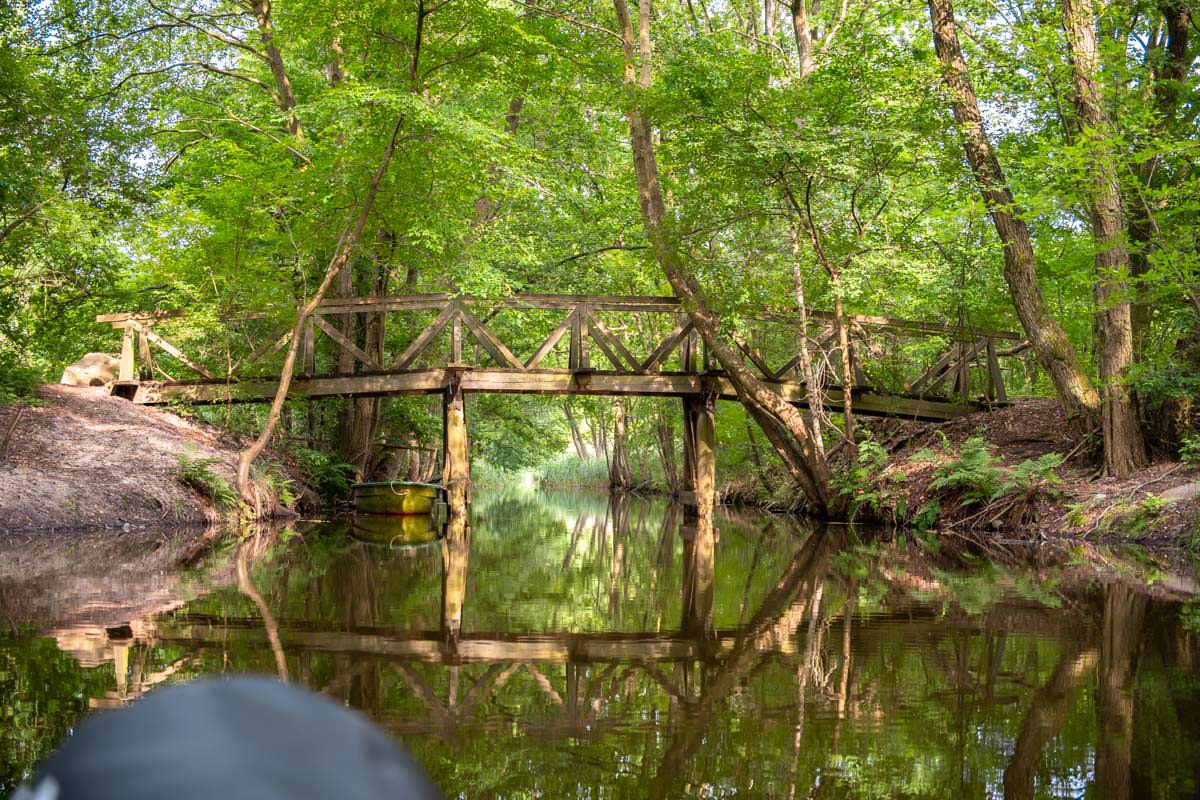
[(569, 646)]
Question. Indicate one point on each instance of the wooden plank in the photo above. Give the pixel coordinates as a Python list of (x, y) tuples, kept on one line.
[(172, 349), (271, 344), (599, 302), (551, 340), (456, 341), (753, 355), (560, 382), (997, 377), (612, 346), (126, 364), (582, 360), (925, 377), (147, 362), (308, 350), (383, 304), (900, 326), (674, 338), (426, 336), (340, 338), (127, 316), (491, 342)]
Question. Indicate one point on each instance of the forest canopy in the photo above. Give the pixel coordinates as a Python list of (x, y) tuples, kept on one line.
[(1025, 166)]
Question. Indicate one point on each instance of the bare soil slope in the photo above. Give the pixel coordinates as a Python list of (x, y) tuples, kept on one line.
[(87, 460)]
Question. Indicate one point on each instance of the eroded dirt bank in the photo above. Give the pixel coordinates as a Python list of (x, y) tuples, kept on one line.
[(1012, 473), (84, 460)]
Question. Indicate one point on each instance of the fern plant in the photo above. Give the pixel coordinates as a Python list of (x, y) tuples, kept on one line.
[(1033, 477), (976, 472), (198, 473)]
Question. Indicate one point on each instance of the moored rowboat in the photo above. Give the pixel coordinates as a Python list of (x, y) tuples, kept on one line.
[(395, 497)]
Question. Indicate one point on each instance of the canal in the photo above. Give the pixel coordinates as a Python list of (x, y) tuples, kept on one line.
[(575, 645)]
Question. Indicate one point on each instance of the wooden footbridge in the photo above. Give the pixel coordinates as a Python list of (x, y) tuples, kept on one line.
[(587, 345)]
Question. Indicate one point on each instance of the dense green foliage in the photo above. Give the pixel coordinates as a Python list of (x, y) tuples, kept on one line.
[(170, 156)]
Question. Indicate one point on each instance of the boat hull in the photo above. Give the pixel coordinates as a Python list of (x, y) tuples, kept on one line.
[(395, 530), (395, 497)]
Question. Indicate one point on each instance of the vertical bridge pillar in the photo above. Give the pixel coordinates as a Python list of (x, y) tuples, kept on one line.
[(699, 460), (456, 468), (698, 531)]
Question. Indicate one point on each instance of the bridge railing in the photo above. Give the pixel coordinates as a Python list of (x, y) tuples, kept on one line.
[(579, 334)]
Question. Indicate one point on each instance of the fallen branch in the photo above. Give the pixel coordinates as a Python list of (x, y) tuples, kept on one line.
[(340, 259)]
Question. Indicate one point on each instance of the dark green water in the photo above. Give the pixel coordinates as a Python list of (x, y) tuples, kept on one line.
[(572, 648)]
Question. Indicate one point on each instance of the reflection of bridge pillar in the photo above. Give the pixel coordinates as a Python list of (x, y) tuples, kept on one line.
[(699, 580), (456, 548), (456, 468)]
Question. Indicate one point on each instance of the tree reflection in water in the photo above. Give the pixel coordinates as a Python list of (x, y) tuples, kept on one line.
[(568, 645)]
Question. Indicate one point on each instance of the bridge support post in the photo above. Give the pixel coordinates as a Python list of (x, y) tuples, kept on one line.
[(456, 469), (699, 462)]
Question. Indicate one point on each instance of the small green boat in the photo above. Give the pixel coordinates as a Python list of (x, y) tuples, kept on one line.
[(395, 497), (395, 530)]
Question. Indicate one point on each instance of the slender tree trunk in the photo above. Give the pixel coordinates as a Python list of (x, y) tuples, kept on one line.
[(812, 388), (666, 451), (284, 96), (782, 423), (619, 474), (1124, 447), (344, 252), (802, 33), (1172, 65), (1054, 351)]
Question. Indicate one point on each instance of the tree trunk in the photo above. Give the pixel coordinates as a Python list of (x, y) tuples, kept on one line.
[(573, 427), (1124, 447), (666, 452), (1054, 351), (284, 96), (1167, 77), (812, 388), (782, 423), (340, 259), (620, 476)]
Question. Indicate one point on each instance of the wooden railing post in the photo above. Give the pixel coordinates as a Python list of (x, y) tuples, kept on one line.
[(146, 367), (456, 341), (307, 353), (456, 468), (996, 377), (126, 366)]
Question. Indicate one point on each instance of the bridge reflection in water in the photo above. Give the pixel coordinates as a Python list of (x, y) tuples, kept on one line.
[(573, 645)]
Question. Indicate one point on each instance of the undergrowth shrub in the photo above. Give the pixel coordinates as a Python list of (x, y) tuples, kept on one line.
[(870, 489), (976, 473), (273, 478), (198, 473), (1189, 449), (327, 476)]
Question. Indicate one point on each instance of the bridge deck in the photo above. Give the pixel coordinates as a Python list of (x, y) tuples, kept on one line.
[(507, 381), (585, 345)]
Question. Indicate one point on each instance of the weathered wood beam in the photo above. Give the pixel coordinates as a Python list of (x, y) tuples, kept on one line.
[(616, 351), (140, 316), (355, 350), (170, 348), (555, 336), (495, 348), (522, 381), (674, 338), (426, 336)]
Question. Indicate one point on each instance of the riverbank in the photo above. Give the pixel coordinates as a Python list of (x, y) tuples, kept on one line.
[(1012, 473), (82, 460)]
